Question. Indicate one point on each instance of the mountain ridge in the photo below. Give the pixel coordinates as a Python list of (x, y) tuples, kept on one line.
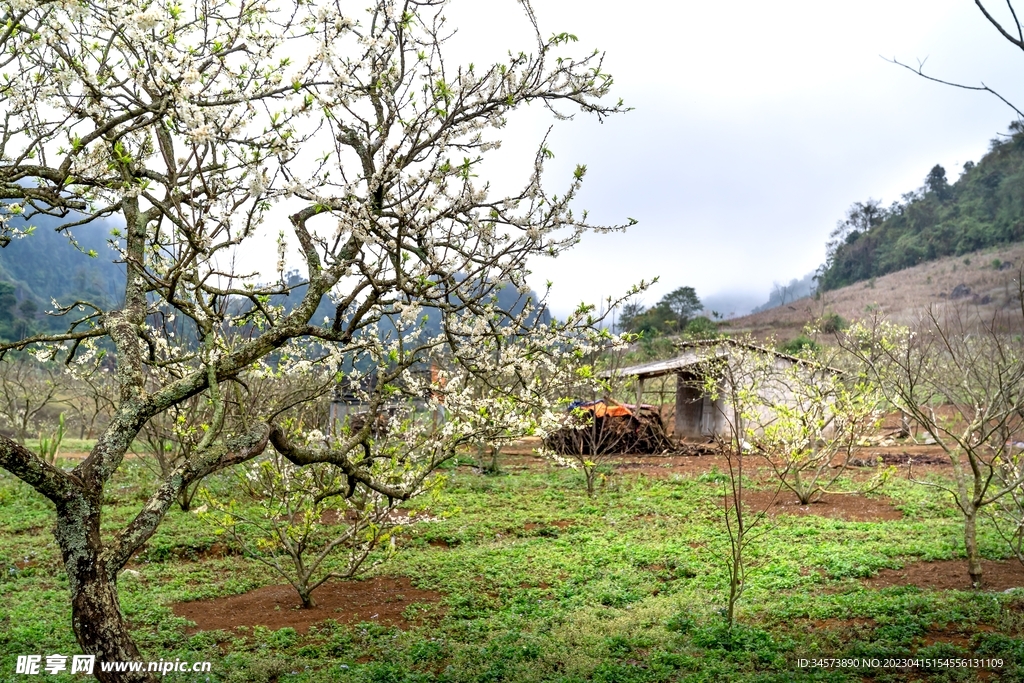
[(985, 280)]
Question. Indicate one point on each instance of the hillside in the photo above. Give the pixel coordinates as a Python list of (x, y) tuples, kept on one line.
[(45, 266), (986, 280), (983, 208)]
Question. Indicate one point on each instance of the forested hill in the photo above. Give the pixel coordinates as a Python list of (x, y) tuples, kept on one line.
[(45, 265), (983, 208)]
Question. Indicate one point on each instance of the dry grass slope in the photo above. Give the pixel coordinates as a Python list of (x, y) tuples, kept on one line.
[(975, 279)]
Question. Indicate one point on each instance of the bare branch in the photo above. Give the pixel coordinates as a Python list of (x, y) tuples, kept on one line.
[(979, 88)]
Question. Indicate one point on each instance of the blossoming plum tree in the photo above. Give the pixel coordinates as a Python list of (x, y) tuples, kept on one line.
[(295, 519), (809, 418), (202, 126)]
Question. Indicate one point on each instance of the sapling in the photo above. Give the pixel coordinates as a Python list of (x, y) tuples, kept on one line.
[(307, 523), (588, 438), (732, 377), (961, 378), (808, 420)]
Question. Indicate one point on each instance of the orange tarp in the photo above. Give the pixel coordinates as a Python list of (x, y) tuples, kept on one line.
[(602, 409)]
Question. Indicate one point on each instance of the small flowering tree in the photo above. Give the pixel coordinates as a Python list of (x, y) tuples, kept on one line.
[(732, 376), (581, 438), (299, 520), (809, 423), (801, 415), (587, 443), (205, 129)]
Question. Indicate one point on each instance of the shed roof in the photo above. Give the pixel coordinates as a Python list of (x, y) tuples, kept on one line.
[(691, 354)]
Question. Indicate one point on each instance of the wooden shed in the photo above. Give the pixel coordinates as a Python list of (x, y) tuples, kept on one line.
[(697, 416)]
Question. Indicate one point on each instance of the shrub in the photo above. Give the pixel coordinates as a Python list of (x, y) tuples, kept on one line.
[(798, 345), (832, 323), (701, 327)]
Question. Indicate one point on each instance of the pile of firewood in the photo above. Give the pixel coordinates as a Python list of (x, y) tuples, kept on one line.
[(591, 430)]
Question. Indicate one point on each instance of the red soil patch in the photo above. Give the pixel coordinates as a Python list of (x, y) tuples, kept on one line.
[(560, 523), (381, 599), (841, 625), (213, 552), (844, 624), (951, 575), (695, 459), (218, 550), (332, 516), (953, 636), (916, 456), (849, 507), (523, 447), (82, 455), (949, 634)]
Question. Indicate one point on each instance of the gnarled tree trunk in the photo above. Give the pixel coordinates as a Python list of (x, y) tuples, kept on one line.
[(95, 610)]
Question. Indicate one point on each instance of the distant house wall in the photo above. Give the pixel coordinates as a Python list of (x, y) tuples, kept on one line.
[(699, 417)]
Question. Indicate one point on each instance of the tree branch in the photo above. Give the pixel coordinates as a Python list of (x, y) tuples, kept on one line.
[(54, 483), (233, 451), (308, 456)]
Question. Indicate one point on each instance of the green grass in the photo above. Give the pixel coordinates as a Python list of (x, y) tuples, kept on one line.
[(67, 445), (631, 590)]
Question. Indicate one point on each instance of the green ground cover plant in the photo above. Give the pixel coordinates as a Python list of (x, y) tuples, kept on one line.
[(540, 582)]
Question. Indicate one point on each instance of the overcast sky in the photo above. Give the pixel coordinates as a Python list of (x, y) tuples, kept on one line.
[(755, 125)]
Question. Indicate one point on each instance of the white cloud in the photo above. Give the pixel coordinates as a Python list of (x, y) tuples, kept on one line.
[(756, 125)]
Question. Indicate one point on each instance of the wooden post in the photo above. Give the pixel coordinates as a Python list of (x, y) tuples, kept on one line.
[(639, 391)]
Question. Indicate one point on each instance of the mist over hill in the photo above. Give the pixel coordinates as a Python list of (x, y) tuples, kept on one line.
[(783, 294), (45, 266), (730, 304)]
